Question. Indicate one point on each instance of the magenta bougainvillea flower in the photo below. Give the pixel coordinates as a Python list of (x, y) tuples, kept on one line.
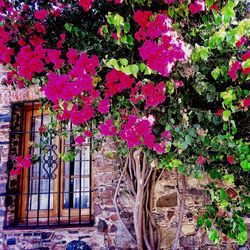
[(233, 70), (80, 139), (241, 42), (230, 159), (116, 82), (41, 14), (19, 163), (161, 55), (201, 160), (103, 106), (108, 128), (197, 6), (246, 102)]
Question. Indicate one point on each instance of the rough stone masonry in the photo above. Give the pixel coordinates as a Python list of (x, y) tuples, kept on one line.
[(107, 232)]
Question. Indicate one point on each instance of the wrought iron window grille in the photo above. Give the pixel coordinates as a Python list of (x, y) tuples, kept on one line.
[(52, 192)]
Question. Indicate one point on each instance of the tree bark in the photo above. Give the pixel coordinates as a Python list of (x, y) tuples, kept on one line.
[(181, 213)]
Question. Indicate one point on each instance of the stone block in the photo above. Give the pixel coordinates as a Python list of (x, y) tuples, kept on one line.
[(45, 235), (11, 241), (168, 200), (102, 226), (188, 229), (167, 236), (113, 228)]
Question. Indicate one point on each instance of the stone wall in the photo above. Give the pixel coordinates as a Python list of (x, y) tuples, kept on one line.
[(107, 232)]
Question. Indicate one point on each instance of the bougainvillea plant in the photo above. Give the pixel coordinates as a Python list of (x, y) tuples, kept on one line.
[(167, 80)]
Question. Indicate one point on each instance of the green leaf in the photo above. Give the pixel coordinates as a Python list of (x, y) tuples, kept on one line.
[(131, 70), (126, 27), (214, 236), (200, 221), (112, 63), (171, 11), (226, 115), (223, 194), (124, 39), (208, 223), (242, 238), (246, 64), (245, 165), (204, 53), (188, 139), (229, 178), (123, 61), (130, 40), (209, 3), (68, 27), (216, 73)]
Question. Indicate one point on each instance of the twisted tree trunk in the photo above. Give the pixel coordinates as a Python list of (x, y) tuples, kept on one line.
[(142, 177)]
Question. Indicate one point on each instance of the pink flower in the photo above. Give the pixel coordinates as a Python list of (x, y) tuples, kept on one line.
[(219, 112), (88, 133), (80, 139), (215, 7), (16, 171), (230, 159), (197, 6), (178, 84), (201, 159), (246, 56), (166, 135), (53, 56), (41, 14), (108, 128), (42, 129), (86, 4), (169, 1), (246, 71), (160, 149), (233, 70), (154, 95), (149, 141), (142, 17), (115, 36), (72, 56), (23, 162), (103, 106), (246, 102), (241, 42), (82, 116), (116, 82)]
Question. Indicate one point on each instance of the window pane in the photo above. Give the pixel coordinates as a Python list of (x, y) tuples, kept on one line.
[(44, 194), (74, 196)]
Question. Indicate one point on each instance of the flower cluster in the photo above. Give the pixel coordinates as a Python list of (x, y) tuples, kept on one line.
[(161, 54), (172, 1), (108, 128), (77, 83), (152, 94), (116, 82), (238, 66), (87, 4), (197, 6), (138, 131), (6, 52)]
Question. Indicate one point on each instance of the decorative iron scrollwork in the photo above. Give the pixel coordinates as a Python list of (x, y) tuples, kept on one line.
[(50, 162)]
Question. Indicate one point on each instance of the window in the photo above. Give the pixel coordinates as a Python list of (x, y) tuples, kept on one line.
[(52, 191)]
